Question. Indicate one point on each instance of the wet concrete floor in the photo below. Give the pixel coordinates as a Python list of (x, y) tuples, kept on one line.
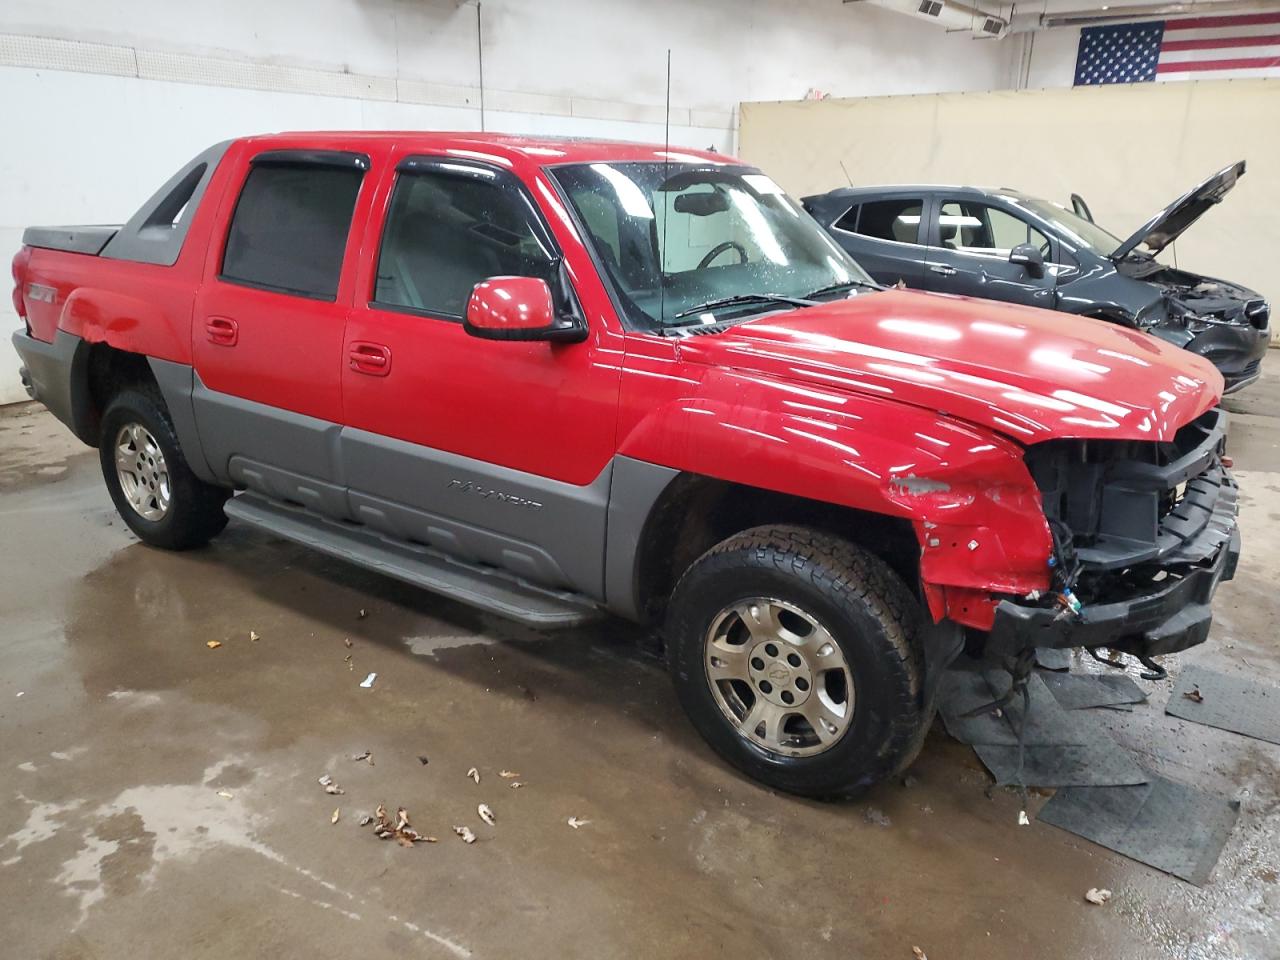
[(158, 798)]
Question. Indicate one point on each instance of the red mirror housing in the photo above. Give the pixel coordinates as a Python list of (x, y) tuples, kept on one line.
[(516, 308)]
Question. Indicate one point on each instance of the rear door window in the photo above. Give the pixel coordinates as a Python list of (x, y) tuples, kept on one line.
[(897, 220), (290, 226)]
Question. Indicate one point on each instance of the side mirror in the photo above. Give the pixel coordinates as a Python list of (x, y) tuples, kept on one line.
[(517, 308), (1028, 255)]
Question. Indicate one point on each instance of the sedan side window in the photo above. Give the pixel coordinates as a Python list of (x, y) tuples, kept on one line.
[(969, 227), (447, 232), (897, 220)]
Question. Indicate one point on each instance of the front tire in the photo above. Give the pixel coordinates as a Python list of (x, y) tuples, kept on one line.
[(152, 486), (797, 656)]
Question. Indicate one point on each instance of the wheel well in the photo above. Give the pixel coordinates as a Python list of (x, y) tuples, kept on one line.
[(695, 513), (105, 372)]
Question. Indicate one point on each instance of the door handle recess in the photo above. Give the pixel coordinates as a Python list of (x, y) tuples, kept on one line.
[(223, 331), (373, 359), (943, 269)]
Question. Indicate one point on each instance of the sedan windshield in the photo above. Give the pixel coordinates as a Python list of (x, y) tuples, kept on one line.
[(1074, 229), (685, 243)]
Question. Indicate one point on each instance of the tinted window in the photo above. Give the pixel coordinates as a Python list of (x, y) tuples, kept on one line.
[(970, 227), (897, 220), (849, 221), (445, 233), (290, 228)]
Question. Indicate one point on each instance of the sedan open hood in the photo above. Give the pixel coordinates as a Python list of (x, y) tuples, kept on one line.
[(1027, 373), (1167, 225)]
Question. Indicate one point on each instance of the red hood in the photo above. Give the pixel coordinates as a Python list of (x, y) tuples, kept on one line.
[(1028, 373)]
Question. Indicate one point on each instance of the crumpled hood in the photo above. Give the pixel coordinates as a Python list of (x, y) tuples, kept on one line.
[(1169, 224), (1027, 373)]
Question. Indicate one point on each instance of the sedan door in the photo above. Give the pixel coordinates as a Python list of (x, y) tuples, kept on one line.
[(970, 242), (886, 237)]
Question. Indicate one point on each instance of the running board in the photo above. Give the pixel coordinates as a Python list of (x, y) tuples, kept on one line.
[(488, 588)]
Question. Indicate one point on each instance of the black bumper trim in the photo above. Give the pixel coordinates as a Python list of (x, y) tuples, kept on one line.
[(1172, 617), (49, 372)]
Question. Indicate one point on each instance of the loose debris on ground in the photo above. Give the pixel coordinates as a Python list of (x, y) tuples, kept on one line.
[(1194, 695), (337, 812), (474, 774), (366, 756), (486, 814), (399, 830), (918, 953), (508, 774), (254, 635), (213, 644), (367, 682), (576, 823), (1097, 896), (465, 833), (329, 786)]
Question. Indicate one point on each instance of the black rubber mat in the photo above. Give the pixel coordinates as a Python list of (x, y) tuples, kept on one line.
[(1227, 702), (1166, 825), (1053, 658), (1061, 747), (1101, 763), (1079, 691)]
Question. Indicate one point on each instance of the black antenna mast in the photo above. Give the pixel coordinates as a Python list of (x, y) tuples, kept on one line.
[(666, 175)]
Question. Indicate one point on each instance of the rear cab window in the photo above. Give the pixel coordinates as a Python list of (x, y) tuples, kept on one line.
[(896, 220), (290, 226)]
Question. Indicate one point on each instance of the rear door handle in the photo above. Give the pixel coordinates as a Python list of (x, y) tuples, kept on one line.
[(223, 331), (373, 359), (943, 269)]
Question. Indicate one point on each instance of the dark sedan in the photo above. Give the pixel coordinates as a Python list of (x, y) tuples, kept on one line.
[(1004, 245)]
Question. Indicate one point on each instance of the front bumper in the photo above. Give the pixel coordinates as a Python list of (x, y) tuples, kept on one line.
[(1236, 349), (1172, 616), (1145, 590)]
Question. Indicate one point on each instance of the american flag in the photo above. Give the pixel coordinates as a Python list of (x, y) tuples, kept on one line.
[(1195, 48)]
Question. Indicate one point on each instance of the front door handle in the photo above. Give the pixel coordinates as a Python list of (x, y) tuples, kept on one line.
[(223, 331), (373, 359), (943, 269)]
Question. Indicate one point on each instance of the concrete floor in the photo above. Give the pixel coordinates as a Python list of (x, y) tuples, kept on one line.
[(158, 798)]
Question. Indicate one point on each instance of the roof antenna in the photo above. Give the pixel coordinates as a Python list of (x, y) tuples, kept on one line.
[(846, 173), (480, 60), (666, 213)]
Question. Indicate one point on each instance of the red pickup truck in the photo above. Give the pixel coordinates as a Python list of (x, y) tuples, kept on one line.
[(558, 378)]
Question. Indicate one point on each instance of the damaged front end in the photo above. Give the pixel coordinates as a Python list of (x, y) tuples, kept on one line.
[(1143, 534), (1228, 325)]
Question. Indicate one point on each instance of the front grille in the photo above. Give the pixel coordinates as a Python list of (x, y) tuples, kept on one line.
[(1119, 504)]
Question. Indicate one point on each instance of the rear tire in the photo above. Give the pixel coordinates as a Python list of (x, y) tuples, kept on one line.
[(152, 486), (797, 656)]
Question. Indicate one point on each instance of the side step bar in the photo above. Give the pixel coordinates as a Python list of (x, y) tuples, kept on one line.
[(485, 587)]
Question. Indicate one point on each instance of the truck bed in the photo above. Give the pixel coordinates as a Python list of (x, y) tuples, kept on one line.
[(86, 239)]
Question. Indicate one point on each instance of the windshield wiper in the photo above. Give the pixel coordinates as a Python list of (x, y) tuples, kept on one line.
[(837, 287), (743, 298)]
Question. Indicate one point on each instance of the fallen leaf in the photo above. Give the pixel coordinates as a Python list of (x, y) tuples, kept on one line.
[(508, 774), (253, 635), (329, 786), (1023, 820), (423, 759), (347, 641), (1097, 896), (367, 755), (337, 812), (325, 780), (1194, 694), (486, 814), (225, 794), (474, 774), (576, 823), (213, 644), (516, 784), (466, 834), (365, 821), (367, 682), (362, 614), (916, 951)]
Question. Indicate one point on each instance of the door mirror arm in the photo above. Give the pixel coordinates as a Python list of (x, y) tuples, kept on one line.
[(1029, 257)]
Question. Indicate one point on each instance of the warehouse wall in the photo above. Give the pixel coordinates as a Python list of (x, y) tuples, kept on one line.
[(1128, 149), (139, 87)]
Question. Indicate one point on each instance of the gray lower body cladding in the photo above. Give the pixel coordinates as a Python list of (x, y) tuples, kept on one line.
[(48, 373)]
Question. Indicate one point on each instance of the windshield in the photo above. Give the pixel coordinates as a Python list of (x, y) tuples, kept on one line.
[(1074, 229), (717, 232)]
